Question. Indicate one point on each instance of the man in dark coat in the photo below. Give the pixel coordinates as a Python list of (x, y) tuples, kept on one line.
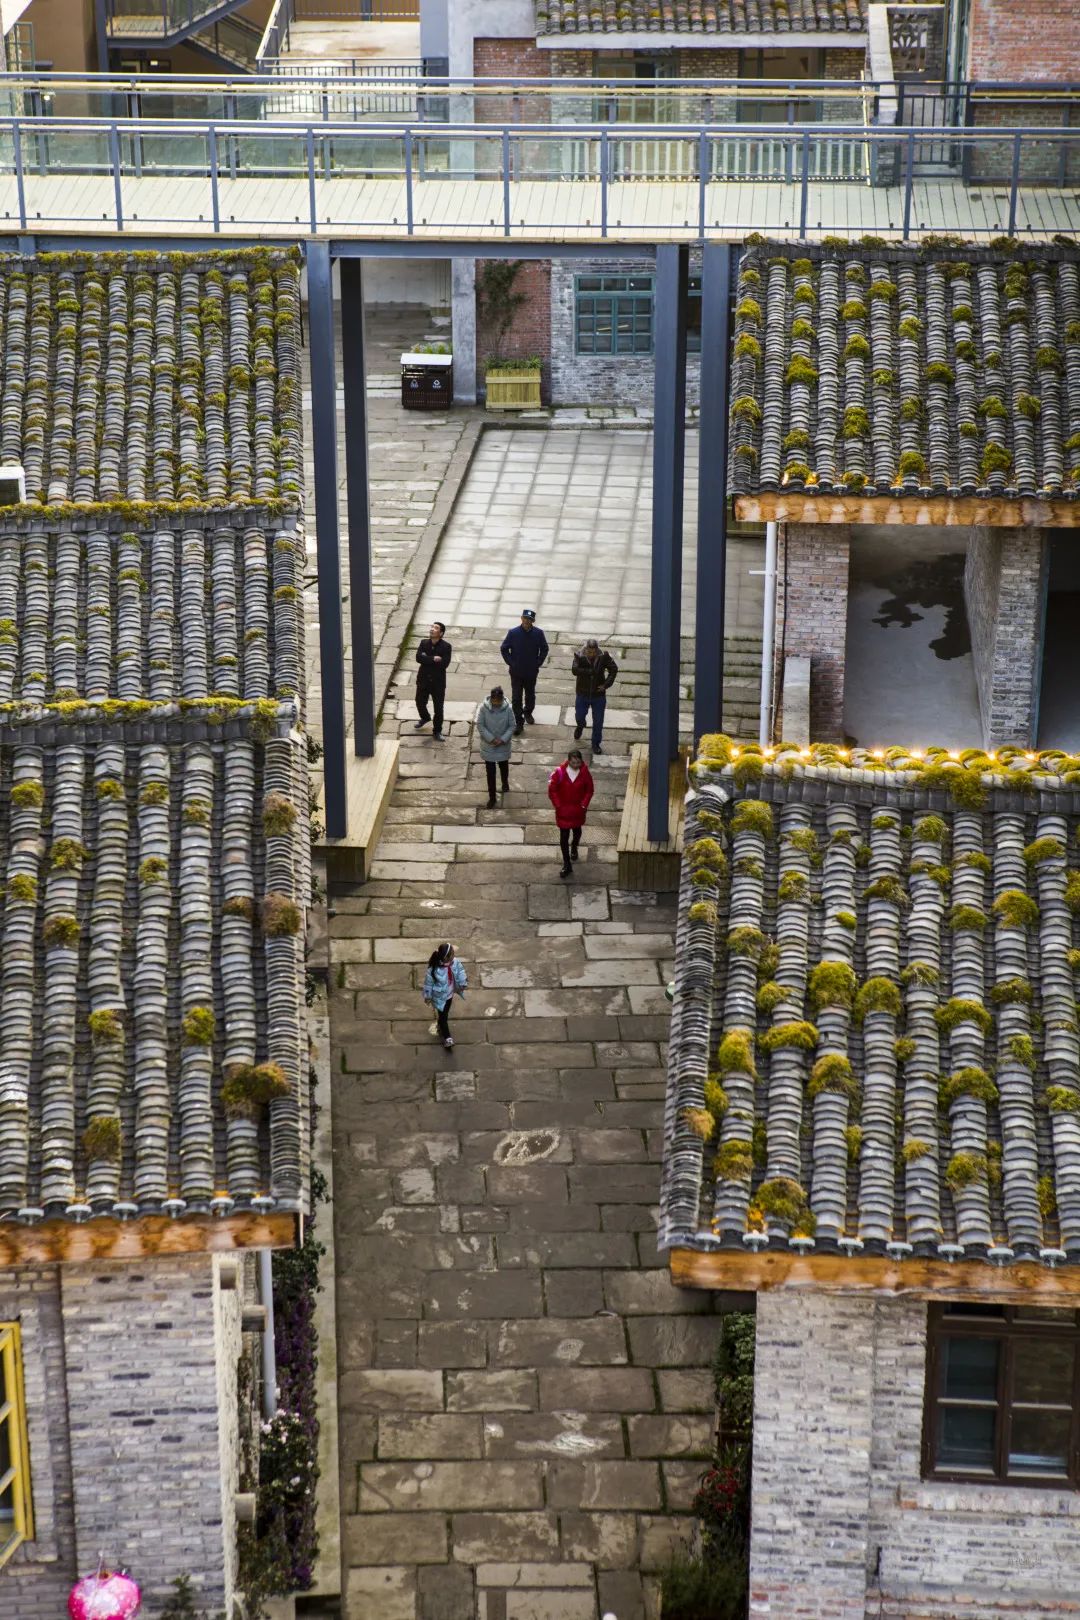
[(524, 649), (594, 672), (433, 655)]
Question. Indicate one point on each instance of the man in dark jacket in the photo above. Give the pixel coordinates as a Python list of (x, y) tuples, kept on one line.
[(524, 649), (433, 656), (595, 672)]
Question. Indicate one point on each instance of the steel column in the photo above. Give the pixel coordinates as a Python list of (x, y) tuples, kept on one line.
[(327, 532), (716, 276), (361, 624), (669, 443)]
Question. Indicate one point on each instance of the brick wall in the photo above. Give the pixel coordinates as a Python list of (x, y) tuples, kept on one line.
[(34, 1585), (600, 379), (1003, 593), (149, 1436), (838, 1500), (530, 330), (1038, 40), (811, 616)]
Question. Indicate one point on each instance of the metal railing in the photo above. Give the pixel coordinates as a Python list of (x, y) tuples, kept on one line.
[(275, 37), (607, 188), (158, 19), (358, 10)]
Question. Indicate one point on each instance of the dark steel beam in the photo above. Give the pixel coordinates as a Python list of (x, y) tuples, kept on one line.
[(717, 268), (327, 533), (669, 443), (361, 624)]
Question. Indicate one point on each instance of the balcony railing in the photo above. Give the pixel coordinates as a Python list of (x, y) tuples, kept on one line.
[(569, 183)]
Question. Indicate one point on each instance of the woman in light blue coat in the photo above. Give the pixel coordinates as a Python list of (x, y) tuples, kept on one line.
[(445, 978), (495, 728)]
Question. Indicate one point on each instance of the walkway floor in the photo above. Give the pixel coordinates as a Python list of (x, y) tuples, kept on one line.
[(524, 1399)]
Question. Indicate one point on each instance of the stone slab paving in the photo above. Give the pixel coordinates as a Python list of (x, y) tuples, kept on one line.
[(525, 1400), (560, 520)]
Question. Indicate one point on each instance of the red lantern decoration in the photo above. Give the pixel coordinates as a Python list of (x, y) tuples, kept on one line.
[(104, 1597)]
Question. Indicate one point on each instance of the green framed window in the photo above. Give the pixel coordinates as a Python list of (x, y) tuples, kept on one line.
[(16, 1510), (614, 315)]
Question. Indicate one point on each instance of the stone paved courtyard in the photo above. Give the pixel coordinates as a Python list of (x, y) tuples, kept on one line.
[(525, 1402)]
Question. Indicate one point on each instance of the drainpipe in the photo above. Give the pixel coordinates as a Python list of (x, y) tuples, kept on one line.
[(768, 635), (269, 1360)]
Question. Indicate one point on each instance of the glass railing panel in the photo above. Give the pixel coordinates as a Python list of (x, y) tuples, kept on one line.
[(360, 157)]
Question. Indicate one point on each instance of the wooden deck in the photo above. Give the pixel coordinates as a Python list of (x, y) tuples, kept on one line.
[(644, 864), (370, 783), (644, 211)]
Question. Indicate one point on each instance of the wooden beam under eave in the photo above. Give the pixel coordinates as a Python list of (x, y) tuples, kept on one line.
[(1021, 1284), (993, 512), (149, 1236)]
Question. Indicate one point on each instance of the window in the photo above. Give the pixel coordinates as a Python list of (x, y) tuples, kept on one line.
[(16, 1514), (614, 315), (1002, 1400), (637, 71), (787, 67)]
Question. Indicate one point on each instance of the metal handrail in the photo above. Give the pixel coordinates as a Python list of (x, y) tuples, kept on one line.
[(124, 140)]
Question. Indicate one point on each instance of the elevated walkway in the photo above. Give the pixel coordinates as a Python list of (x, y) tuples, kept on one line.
[(68, 199)]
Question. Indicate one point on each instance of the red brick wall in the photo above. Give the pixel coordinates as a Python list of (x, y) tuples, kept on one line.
[(811, 614), (1039, 39), (530, 330)]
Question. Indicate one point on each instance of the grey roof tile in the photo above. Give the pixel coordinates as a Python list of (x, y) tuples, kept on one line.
[(135, 976), (720, 17), (903, 371), (874, 1036)]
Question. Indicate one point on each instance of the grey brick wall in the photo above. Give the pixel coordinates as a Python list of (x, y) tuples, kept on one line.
[(151, 1419), (844, 1526), (593, 379), (34, 1584), (1004, 591), (811, 616)]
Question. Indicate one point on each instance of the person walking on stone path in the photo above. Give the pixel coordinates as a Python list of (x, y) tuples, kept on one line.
[(496, 730), (524, 649), (570, 789), (595, 673), (445, 978), (433, 655)]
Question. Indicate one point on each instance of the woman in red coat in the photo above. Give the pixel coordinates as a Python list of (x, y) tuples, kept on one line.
[(570, 788)]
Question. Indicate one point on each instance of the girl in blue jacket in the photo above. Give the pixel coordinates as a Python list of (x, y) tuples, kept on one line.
[(445, 978)]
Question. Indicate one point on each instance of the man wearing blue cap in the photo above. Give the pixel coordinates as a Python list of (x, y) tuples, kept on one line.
[(524, 649)]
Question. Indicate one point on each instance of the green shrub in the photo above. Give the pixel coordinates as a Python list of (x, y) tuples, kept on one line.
[(784, 1201), (1022, 1049), (249, 1087), (703, 911), (102, 1139), (61, 930), (853, 1140), (1062, 1100), (832, 984), (967, 919), (920, 973), (694, 1588), (1011, 990), (887, 888), (752, 815), (799, 1036), (958, 1010), (734, 1161), (1015, 909), (800, 370), (846, 919), (913, 1150), (904, 1048), (105, 1025), (793, 886), (969, 1082), (963, 1169), (832, 1073), (877, 995), (198, 1027), (735, 1054), (856, 347), (280, 916), (706, 852), (771, 995)]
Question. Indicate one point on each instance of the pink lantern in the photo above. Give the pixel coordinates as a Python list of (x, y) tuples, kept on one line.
[(104, 1597)]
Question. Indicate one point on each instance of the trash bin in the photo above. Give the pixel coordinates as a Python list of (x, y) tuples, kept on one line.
[(427, 381)]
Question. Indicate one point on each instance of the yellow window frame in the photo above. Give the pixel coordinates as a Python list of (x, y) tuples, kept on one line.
[(13, 1419)]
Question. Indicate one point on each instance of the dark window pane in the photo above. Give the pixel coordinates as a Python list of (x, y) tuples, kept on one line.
[(976, 1308), (7, 1497), (966, 1437), (639, 283), (1043, 1371), (970, 1369), (588, 283), (1039, 1442), (1045, 1313)]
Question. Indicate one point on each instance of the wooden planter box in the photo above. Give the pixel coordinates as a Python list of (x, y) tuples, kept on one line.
[(513, 390)]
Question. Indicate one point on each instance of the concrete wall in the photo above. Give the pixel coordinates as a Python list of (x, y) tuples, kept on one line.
[(64, 34), (811, 615), (844, 1528), (130, 1376), (1004, 589)]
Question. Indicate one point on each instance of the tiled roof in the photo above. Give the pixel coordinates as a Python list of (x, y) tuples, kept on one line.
[(886, 370), (182, 606), (140, 970), (152, 377), (700, 17), (874, 1041), (154, 818)]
